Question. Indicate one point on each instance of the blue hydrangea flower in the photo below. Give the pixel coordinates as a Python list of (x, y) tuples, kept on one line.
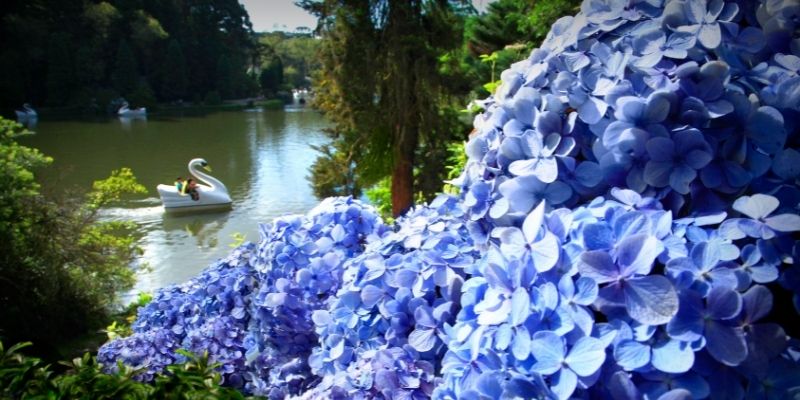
[(760, 224), (694, 321), (584, 358), (649, 299), (674, 161)]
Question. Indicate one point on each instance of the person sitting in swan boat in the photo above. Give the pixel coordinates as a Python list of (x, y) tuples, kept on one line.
[(179, 184), (191, 188)]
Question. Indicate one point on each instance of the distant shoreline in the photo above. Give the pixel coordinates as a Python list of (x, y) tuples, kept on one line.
[(163, 109)]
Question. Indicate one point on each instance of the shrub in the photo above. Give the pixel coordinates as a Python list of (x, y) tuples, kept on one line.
[(60, 268), (82, 378), (212, 98)]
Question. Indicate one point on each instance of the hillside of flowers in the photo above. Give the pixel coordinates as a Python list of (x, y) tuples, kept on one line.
[(626, 229)]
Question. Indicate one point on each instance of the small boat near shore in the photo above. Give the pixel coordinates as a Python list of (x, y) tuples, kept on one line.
[(26, 113), (124, 111)]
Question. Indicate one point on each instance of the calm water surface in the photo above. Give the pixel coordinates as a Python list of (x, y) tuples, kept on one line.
[(262, 157)]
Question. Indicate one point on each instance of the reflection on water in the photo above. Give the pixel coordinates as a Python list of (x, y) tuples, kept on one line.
[(127, 122), (262, 157)]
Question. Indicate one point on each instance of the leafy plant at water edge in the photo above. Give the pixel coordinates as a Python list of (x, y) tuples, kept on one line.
[(59, 266)]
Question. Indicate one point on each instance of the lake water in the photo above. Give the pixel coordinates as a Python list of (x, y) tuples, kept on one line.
[(263, 158)]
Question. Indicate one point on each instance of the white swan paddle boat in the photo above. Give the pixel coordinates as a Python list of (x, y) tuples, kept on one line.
[(300, 96), (124, 111), (212, 193), (26, 114)]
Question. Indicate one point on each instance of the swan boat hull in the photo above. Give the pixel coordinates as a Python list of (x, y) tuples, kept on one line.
[(208, 199), (24, 116)]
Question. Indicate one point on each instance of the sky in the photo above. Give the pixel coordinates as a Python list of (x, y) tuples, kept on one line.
[(283, 15)]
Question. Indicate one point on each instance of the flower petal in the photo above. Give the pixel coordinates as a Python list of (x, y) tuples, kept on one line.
[(586, 356), (548, 349), (631, 354), (726, 343), (651, 299)]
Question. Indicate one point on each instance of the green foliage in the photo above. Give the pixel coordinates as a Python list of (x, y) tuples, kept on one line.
[(60, 77), (19, 186), (394, 117), (20, 376), (121, 325), (294, 77), (456, 161), (333, 171), (60, 267), (298, 53), (23, 377), (101, 17), (194, 379), (501, 25), (272, 104), (384, 85), (66, 53), (212, 98), (493, 83), (143, 95), (126, 73), (112, 189), (271, 77), (380, 195), (225, 77), (146, 29), (543, 14), (175, 74), (508, 30)]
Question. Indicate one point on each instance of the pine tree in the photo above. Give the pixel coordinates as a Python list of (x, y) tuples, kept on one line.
[(174, 77), (125, 75), (60, 77), (225, 82), (384, 95), (271, 77)]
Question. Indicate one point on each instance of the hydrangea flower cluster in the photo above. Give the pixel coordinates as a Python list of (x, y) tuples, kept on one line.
[(209, 312), (626, 229), (299, 266), (383, 333)]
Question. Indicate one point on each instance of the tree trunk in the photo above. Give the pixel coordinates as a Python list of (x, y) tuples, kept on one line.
[(403, 170)]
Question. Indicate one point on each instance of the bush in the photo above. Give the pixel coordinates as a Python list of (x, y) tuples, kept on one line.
[(272, 104), (23, 377), (212, 98), (143, 96), (380, 196), (60, 268)]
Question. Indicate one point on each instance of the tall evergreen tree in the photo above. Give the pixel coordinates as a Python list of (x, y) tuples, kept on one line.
[(175, 74), (225, 79), (60, 77), (126, 73), (383, 95), (271, 76)]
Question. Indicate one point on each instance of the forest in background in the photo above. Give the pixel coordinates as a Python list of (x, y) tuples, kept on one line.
[(84, 54), (287, 60)]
